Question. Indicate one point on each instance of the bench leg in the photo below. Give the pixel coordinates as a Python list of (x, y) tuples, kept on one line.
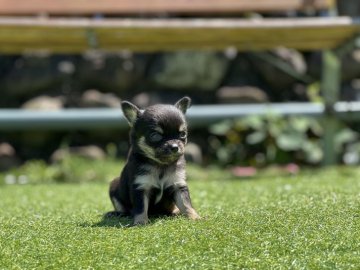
[(330, 85)]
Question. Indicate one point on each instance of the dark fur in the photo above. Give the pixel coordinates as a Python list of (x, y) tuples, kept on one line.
[(153, 179)]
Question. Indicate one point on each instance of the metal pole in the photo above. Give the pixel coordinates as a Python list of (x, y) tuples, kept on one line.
[(330, 86)]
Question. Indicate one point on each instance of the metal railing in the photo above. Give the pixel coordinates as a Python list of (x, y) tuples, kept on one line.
[(198, 116)]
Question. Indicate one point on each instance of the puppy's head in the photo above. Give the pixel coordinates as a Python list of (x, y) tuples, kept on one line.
[(160, 131)]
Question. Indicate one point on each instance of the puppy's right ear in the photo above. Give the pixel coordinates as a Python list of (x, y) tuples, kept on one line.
[(130, 111), (183, 104)]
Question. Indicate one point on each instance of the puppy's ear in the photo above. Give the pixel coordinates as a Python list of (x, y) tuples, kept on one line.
[(130, 111), (183, 104)]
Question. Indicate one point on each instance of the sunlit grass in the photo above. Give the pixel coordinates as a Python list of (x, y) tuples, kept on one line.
[(310, 221)]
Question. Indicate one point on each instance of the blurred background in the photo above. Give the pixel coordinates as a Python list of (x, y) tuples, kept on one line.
[(95, 79)]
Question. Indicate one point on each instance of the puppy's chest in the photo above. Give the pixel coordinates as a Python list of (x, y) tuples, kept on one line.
[(159, 180)]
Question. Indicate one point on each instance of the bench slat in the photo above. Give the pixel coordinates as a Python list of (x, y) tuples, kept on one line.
[(76, 35), (89, 7)]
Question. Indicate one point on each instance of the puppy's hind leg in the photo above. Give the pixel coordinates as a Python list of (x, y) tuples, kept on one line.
[(119, 209)]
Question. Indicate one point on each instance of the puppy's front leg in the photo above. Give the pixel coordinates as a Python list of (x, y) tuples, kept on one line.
[(183, 202), (141, 206)]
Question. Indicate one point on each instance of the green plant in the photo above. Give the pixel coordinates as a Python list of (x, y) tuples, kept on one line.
[(265, 139), (71, 169)]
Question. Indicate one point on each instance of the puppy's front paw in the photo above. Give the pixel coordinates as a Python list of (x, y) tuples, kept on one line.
[(140, 223), (175, 211), (193, 215), (114, 214), (140, 220)]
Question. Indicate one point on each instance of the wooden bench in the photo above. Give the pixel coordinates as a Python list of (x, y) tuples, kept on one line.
[(334, 36), (59, 35), (139, 7)]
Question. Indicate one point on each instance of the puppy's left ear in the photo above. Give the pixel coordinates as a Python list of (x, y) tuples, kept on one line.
[(130, 111), (183, 104)]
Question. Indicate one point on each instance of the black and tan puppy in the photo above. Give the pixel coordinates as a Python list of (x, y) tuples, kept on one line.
[(153, 180)]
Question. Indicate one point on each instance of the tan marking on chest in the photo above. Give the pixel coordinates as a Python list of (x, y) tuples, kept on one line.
[(152, 180)]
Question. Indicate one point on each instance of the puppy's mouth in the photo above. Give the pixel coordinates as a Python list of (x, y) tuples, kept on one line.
[(169, 158), (163, 155), (170, 152)]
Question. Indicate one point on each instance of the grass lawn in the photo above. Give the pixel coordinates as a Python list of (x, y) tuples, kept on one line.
[(309, 221)]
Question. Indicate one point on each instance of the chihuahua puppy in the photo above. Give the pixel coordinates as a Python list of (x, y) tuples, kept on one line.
[(153, 181)]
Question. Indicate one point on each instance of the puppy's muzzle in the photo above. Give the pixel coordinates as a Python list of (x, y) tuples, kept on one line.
[(170, 152), (174, 148)]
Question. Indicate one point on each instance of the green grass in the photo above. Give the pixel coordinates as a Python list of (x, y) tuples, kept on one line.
[(310, 221)]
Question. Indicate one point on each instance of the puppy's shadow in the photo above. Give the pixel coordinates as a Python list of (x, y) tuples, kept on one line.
[(116, 222), (122, 222)]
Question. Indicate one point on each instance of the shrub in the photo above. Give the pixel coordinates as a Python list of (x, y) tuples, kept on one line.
[(261, 140)]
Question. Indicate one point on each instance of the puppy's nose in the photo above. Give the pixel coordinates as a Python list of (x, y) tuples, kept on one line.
[(174, 148)]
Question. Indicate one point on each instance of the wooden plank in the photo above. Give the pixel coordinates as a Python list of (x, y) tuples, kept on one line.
[(77, 35), (125, 7), (197, 37), (55, 49), (279, 23)]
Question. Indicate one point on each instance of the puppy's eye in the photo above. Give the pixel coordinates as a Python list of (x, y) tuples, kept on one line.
[(182, 134), (155, 137)]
